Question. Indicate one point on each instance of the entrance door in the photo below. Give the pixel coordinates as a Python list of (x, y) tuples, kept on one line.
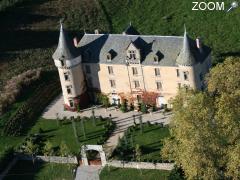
[(161, 101)]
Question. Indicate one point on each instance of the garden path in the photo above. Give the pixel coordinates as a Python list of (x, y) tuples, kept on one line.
[(88, 173), (122, 120)]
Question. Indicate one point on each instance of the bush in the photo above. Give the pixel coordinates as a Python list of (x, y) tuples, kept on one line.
[(131, 107), (143, 108)]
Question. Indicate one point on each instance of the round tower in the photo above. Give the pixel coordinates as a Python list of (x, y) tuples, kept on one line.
[(68, 62), (186, 64)]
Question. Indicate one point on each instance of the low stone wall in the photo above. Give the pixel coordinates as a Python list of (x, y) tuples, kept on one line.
[(52, 159), (141, 165)]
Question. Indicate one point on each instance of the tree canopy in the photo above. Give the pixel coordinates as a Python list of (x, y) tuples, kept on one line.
[(205, 128)]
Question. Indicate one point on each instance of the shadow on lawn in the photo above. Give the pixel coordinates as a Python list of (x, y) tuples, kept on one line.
[(24, 170)]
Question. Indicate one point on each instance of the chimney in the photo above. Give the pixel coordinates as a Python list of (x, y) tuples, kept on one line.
[(199, 44), (75, 42), (96, 31)]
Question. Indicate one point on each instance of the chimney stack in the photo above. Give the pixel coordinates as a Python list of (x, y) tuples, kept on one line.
[(199, 44), (96, 31), (75, 42)]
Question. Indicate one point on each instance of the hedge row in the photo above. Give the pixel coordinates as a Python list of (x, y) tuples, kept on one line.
[(15, 86), (24, 117)]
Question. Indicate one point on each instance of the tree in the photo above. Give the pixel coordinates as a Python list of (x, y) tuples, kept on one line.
[(93, 116), (31, 148), (74, 129), (141, 123), (83, 128), (205, 127), (138, 154), (64, 150), (124, 106), (143, 108), (149, 98), (103, 99)]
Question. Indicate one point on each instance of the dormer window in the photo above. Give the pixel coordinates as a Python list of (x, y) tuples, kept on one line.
[(155, 59), (132, 54), (109, 57)]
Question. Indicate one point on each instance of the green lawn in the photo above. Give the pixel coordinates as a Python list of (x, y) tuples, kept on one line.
[(133, 174), (25, 170), (150, 142), (57, 133)]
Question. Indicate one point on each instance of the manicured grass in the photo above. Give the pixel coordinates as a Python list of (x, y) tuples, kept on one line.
[(25, 170), (57, 133), (132, 174), (150, 142)]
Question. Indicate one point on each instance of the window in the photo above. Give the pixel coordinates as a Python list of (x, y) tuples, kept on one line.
[(110, 70), (109, 58), (69, 89), (112, 83), (89, 82), (62, 62), (136, 84), (132, 54), (71, 103), (88, 69), (139, 98), (66, 76), (159, 85), (179, 85), (178, 74), (157, 71), (155, 59), (134, 71), (185, 75)]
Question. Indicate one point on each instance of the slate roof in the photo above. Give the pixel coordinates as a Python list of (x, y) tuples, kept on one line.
[(65, 49), (167, 48), (130, 30)]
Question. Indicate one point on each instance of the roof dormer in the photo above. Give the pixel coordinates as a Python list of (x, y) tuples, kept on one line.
[(133, 53)]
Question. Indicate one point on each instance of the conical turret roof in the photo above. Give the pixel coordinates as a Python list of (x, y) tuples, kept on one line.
[(186, 57), (65, 49)]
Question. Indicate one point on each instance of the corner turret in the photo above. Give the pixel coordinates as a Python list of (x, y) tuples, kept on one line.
[(185, 58), (68, 62)]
